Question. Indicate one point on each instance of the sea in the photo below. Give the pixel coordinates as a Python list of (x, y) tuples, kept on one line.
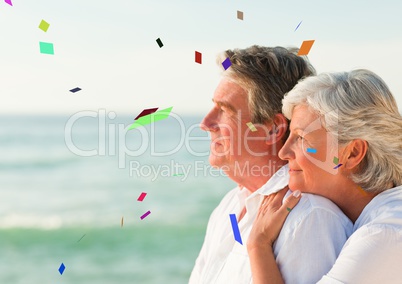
[(69, 190)]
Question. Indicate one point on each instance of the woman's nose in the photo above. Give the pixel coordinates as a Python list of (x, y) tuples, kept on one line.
[(286, 153)]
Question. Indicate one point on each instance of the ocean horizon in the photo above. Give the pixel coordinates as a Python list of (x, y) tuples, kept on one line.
[(69, 188)]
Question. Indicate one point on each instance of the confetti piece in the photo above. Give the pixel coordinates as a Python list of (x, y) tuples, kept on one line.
[(336, 160), (198, 57), (337, 166), (226, 64), (362, 190), (311, 150), (61, 268), (8, 2), (121, 222), (159, 42), (142, 196), (235, 227), (175, 175), (81, 238), (44, 25), (145, 215), (289, 209), (298, 25), (251, 126), (75, 90), (46, 47), (305, 47), (240, 15), (146, 112), (153, 117)]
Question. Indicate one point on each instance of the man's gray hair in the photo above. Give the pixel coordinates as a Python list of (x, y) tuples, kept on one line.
[(266, 74)]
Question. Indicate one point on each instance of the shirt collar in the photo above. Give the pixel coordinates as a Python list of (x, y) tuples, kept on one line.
[(252, 200), (377, 204)]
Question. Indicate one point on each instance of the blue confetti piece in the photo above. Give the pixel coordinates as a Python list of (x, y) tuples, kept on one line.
[(337, 166), (311, 150), (75, 90), (298, 25), (226, 64), (61, 268), (235, 226)]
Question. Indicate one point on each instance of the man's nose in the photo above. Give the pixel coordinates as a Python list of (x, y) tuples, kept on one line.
[(209, 123)]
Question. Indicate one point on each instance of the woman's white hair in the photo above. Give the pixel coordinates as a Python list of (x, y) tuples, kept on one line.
[(357, 105)]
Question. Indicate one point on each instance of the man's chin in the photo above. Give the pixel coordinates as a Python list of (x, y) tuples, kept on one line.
[(215, 162)]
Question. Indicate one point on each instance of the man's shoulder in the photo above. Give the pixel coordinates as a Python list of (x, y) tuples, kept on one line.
[(317, 202), (228, 201), (312, 205), (230, 197)]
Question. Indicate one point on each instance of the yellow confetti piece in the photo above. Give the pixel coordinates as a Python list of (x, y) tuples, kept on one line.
[(122, 221), (43, 25), (251, 126)]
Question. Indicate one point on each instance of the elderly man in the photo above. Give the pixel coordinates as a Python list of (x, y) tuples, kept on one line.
[(247, 131)]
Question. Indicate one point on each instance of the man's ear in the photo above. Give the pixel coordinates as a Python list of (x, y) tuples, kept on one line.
[(354, 153), (279, 127)]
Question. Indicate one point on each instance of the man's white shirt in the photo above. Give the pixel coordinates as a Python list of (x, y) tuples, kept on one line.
[(306, 249)]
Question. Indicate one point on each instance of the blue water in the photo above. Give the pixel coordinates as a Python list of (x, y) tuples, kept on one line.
[(60, 207)]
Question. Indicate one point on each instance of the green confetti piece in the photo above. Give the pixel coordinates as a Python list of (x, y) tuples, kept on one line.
[(44, 25), (336, 160), (153, 117), (46, 47)]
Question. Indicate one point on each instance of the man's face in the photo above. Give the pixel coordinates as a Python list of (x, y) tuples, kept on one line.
[(232, 140)]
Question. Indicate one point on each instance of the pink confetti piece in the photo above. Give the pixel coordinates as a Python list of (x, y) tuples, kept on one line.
[(142, 196)]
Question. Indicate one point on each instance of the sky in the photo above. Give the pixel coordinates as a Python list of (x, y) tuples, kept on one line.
[(109, 49)]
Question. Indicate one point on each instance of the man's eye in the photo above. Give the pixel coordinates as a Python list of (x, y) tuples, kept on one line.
[(223, 109)]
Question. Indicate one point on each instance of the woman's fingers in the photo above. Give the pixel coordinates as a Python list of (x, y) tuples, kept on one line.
[(273, 202), (290, 202), (271, 217)]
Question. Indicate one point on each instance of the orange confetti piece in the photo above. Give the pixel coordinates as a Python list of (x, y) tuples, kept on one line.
[(305, 47), (362, 190)]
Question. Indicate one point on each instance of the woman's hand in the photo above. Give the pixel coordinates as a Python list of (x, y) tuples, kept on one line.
[(270, 218)]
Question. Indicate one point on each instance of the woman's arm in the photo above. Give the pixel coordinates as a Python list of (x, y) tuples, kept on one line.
[(266, 228)]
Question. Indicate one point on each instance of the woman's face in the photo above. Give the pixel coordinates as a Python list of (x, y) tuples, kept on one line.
[(311, 152)]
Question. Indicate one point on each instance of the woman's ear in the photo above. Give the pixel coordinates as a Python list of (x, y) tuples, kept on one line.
[(354, 153), (279, 127)]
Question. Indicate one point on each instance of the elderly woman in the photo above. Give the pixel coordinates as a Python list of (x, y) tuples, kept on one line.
[(345, 144)]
